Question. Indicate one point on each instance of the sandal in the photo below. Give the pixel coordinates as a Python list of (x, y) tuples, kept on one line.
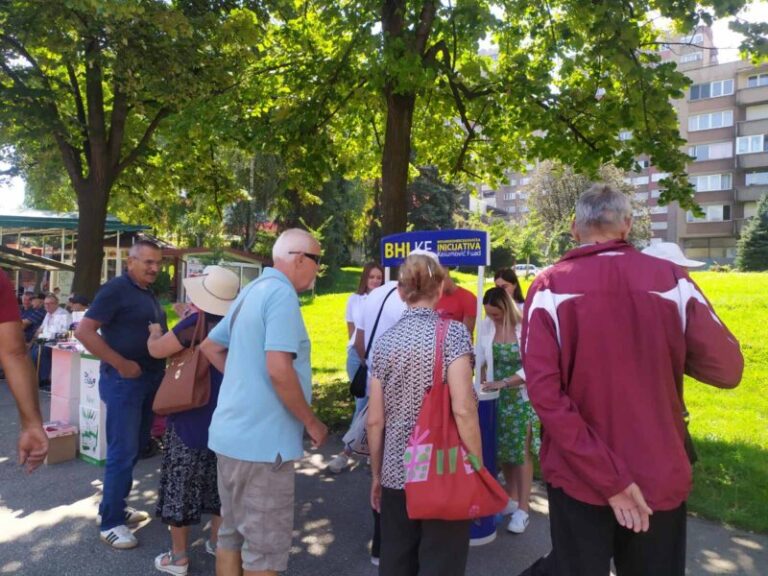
[(168, 562)]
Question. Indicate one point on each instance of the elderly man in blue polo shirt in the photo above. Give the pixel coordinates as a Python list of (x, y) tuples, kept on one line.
[(123, 309), (263, 409)]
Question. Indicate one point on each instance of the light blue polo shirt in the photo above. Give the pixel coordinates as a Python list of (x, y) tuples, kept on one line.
[(250, 422)]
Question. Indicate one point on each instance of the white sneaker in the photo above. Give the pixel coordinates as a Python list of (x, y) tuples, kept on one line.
[(510, 509), (338, 463), (133, 516), (519, 522), (119, 537)]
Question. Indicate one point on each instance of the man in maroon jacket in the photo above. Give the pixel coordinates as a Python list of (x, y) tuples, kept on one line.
[(607, 336)]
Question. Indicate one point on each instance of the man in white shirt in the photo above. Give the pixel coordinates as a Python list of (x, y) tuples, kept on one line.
[(56, 320), (390, 314)]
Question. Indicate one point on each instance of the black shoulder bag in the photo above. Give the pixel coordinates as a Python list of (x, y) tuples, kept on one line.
[(360, 381)]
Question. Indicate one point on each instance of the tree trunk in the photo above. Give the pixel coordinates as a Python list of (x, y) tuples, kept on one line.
[(92, 200), (395, 160)]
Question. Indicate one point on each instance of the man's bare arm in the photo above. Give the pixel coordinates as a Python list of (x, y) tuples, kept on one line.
[(285, 381)]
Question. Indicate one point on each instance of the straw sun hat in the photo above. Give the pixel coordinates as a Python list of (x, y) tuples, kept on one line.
[(214, 290)]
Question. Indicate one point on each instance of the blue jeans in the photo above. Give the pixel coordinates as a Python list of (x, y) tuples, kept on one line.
[(353, 363), (129, 418)]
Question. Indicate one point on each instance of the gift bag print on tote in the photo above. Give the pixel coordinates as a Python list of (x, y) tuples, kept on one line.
[(417, 457), (443, 481)]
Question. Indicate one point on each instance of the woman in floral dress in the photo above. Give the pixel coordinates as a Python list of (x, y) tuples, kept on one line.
[(518, 438)]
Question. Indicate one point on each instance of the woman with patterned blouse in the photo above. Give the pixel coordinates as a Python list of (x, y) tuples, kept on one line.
[(517, 427), (401, 374)]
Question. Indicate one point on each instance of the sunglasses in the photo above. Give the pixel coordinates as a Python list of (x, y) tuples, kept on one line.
[(314, 257)]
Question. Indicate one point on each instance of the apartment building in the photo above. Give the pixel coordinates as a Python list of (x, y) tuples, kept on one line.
[(724, 119)]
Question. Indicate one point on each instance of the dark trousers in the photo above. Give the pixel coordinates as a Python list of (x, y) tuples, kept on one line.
[(129, 418), (44, 362), (419, 547), (585, 538)]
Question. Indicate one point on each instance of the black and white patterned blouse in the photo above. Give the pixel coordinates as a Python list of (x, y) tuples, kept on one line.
[(403, 360)]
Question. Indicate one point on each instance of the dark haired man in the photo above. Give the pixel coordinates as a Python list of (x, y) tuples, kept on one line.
[(123, 309)]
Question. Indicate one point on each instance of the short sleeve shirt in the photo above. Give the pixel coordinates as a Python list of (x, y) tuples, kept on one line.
[(458, 305), (392, 310), (404, 362), (9, 308), (354, 313), (250, 422), (125, 311)]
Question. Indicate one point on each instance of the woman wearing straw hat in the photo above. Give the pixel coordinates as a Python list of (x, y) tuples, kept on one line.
[(188, 472)]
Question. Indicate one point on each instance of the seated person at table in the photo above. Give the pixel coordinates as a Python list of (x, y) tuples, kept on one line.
[(78, 303), (56, 321), (32, 313)]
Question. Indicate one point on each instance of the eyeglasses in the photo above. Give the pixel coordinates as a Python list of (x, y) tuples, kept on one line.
[(314, 257)]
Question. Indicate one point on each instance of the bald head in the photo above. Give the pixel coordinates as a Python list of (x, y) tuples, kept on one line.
[(292, 242)]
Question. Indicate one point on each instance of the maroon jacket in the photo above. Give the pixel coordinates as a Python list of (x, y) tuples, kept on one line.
[(607, 335)]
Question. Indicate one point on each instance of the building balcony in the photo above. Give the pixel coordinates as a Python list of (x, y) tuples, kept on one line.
[(750, 193), (752, 95), (740, 223), (707, 229), (759, 160), (752, 127)]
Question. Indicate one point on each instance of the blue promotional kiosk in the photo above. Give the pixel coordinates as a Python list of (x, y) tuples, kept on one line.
[(457, 248)]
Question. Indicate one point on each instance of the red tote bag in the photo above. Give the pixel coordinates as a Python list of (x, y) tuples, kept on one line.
[(444, 482)]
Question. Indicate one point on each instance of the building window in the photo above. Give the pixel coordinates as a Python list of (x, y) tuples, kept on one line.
[(750, 144), (509, 195), (625, 135), (643, 164), (711, 151), (712, 213), (696, 38), (750, 209), (757, 80), (659, 225), (512, 182), (756, 178), (659, 176), (711, 90), (656, 193), (525, 181), (712, 182), (659, 209), (691, 57), (640, 181), (641, 196), (757, 112), (710, 120)]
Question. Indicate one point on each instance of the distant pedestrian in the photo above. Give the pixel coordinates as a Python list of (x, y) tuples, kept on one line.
[(188, 470), (115, 330), (263, 409), (507, 278), (608, 335), (401, 374), (371, 278)]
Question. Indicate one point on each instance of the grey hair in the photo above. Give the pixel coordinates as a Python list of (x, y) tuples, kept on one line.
[(292, 240), (602, 206), (139, 244)]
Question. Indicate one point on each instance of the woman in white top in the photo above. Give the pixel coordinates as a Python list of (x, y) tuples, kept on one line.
[(371, 278), (498, 358)]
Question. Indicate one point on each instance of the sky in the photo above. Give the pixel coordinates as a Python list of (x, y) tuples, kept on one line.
[(727, 42)]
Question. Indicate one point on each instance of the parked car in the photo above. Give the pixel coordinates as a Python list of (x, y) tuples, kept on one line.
[(526, 270)]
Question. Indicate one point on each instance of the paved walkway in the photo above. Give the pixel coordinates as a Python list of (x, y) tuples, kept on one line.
[(48, 524)]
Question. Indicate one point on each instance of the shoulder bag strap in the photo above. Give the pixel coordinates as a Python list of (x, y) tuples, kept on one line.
[(240, 304), (376, 324), (197, 335)]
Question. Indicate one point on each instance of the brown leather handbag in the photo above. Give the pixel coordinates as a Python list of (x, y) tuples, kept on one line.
[(187, 380)]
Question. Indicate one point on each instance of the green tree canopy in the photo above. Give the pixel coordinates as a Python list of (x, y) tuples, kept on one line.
[(752, 254)]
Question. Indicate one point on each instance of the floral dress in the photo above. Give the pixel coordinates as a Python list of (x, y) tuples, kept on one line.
[(514, 413)]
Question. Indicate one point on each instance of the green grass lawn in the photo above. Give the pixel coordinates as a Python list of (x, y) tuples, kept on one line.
[(729, 427)]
